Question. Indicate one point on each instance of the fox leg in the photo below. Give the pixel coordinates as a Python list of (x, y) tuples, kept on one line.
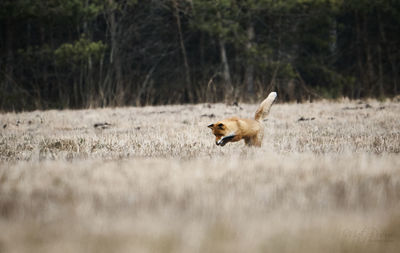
[(253, 141), (226, 139), (257, 141)]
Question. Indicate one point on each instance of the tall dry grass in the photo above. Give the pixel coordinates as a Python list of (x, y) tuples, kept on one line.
[(326, 179)]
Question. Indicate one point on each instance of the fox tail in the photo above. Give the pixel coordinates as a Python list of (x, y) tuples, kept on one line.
[(265, 106)]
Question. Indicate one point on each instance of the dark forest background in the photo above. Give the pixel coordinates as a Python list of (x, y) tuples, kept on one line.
[(91, 53)]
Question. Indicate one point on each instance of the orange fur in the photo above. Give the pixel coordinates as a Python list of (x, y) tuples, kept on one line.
[(250, 130)]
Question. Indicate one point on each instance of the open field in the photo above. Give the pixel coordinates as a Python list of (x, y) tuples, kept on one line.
[(327, 179)]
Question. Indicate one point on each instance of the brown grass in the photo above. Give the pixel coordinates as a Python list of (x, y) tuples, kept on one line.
[(154, 181)]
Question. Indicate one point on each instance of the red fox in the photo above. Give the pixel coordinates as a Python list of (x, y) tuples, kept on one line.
[(250, 130)]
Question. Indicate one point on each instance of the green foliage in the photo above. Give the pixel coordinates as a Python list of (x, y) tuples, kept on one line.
[(116, 52), (50, 9), (216, 18), (287, 71), (80, 50)]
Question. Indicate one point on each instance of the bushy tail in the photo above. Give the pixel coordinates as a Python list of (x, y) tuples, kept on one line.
[(265, 106)]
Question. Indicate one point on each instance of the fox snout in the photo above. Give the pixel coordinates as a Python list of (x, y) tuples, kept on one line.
[(221, 134)]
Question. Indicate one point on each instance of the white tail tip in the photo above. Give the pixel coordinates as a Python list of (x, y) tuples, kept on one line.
[(272, 95)]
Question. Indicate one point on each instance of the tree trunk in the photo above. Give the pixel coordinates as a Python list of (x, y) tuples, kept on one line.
[(249, 72), (370, 65), (188, 83), (114, 88), (225, 70), (380, 72), (362, 81), (228, 89), (390, 56), (43, 88), (9, 62)]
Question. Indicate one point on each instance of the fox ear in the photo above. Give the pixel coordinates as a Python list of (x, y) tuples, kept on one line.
[(211, 126)]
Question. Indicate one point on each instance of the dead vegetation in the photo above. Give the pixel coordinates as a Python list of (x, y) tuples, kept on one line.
[(153, 180)]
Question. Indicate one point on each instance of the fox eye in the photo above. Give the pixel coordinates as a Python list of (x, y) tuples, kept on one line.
[(221, 126)]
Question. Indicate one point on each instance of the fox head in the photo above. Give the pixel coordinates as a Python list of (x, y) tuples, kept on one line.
[(221, 132)]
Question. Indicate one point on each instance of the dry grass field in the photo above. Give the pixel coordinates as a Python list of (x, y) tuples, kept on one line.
[(327, 179)]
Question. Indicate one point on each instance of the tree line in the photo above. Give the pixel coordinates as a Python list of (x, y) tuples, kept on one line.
[(94, 53)]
